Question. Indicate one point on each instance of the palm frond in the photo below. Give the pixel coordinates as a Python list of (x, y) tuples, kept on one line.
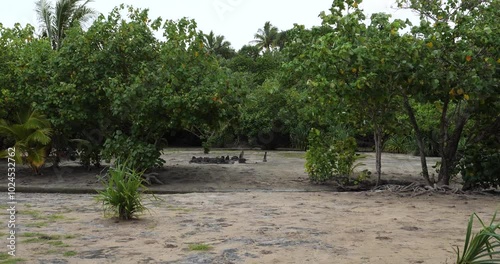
[(36, 157), (41, 136), (45, 15), (483, 246)]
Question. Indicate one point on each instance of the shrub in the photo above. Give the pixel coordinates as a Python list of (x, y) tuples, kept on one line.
[(479, 167), (482, 247), (32, 135), (141, 155), (330, 157), (123, 192), (400, 144)]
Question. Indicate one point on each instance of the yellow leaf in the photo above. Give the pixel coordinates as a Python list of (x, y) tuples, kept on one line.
[(498, 61), (460, 91), (468, 58), (393, 31), (196, 53), (466, 97), (452, 92), (354, 70), (355, 4), (430, 45)]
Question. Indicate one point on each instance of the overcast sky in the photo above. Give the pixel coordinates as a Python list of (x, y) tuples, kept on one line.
[(237, 20)]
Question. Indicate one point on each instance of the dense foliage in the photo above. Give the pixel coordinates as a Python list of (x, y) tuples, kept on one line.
[(116, 90)]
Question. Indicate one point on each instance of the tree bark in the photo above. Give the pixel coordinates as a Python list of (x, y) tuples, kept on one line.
[(377, 135), (450, 149), (420, 140)]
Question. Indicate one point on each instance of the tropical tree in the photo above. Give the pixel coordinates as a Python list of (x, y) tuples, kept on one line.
[(31, 133), (218, 45), (453, 63), (54, 21), (266, 37)]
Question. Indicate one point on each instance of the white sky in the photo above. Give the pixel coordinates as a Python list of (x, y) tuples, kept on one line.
[(237, 20)]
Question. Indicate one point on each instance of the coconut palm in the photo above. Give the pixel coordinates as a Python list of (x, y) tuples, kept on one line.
[(66, 13), (31, 133), (218, 45), (266, 37)]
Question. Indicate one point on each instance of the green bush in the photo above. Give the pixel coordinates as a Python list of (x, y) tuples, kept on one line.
[(482, 247), (400, 144), (479, 167), (141, 155), (123, 192), (330, 157)]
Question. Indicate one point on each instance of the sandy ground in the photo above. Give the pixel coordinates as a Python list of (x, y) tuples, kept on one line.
[(250, 227), (283, 171), (259, 212)]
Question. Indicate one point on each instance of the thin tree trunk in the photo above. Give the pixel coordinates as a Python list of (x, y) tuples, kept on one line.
[(420, 140), (377, 134), (449, 155)]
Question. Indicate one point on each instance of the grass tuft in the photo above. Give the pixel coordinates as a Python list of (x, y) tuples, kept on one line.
[(199, 247)]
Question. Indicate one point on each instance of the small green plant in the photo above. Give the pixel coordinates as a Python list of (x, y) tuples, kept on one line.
[(140, 155), (69, 253), (331, 157), (8, 259), (199, 247), (482, 247), (123, 192), (479, 166), (32, 134)]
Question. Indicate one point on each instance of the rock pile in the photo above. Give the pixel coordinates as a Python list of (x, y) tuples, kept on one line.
[(216, 160)]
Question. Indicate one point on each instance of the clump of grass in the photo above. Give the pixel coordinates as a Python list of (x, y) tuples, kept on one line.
[(41, 238), (8, 259), (123, 194), (33, 213), (71, 236), (199, 247), (37, 224), (57, 243), (481, 247), (70, 253)]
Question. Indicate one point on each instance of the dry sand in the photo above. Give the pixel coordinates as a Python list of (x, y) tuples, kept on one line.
[(249, 213)]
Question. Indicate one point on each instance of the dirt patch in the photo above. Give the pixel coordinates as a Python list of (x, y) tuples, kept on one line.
[(283, 171), (252, 227), (256, 212)]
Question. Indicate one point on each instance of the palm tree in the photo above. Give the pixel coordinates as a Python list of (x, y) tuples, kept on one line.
[(66, 13), (266, 37), (218, 45), (31, 133)]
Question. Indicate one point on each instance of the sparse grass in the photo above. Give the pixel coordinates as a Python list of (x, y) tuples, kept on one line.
[(4, 256), (31, 234), (71, 236), (2, 234), (70, 253), (41, 238), (200, 247), (3, 206), (37, 224), (57, 243), (40, 216), (11, 260), (55, 217), (33, 213)]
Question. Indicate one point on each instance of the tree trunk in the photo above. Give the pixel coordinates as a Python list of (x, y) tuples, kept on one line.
[(420, 140), (377, 135), (449, 151)]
